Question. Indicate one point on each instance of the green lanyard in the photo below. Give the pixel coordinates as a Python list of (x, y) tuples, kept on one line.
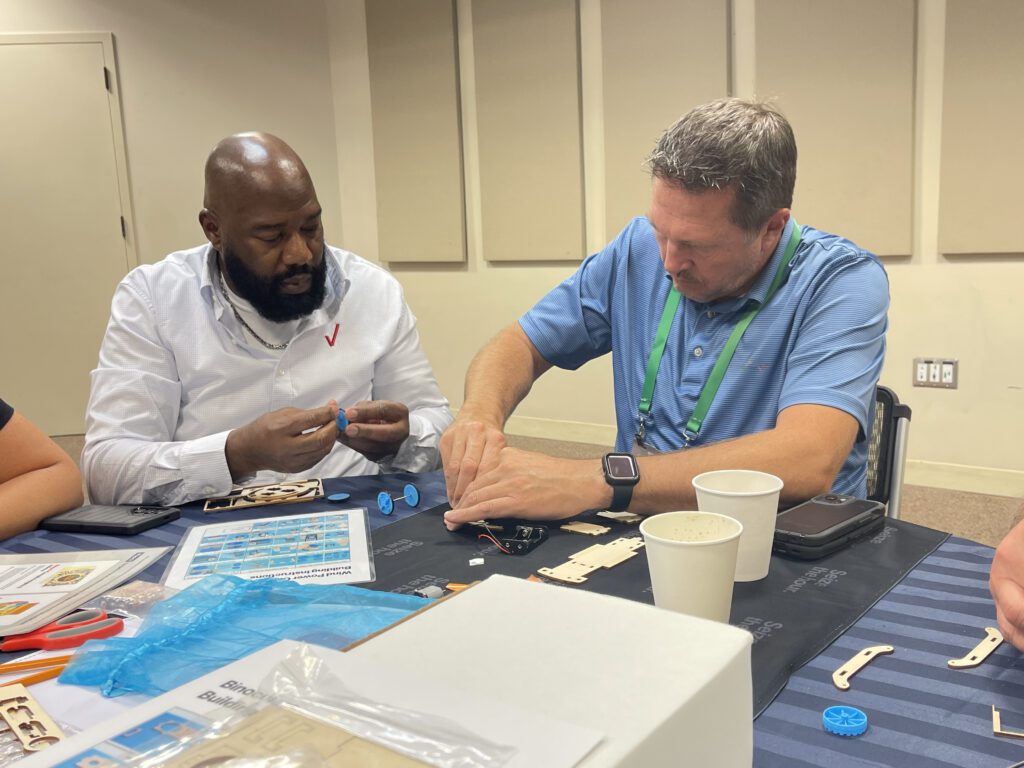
[(714, 381)]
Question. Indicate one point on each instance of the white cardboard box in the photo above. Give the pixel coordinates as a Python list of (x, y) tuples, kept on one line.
[(664, 688), (551, 670)]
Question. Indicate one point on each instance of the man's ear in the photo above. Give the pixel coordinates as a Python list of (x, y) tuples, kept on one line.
[(211, 226), (773, 229)]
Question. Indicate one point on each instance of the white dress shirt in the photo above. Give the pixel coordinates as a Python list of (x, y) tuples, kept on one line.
[(177, 372)]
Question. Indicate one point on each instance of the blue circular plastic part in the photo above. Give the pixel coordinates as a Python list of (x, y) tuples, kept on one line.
[(412, 495), (384, 503), (844, 721), (341, 421), (339, 497)]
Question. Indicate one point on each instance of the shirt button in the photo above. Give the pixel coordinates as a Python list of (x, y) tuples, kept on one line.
[(698, 352), (282, 372), (711, 314), (208, 489)]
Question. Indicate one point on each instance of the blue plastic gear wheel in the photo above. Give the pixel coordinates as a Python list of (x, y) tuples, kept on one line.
[(385, 503), (844, 721), (412, 495), (341, 421)]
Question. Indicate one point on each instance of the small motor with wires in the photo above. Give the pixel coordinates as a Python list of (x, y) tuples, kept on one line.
[(512, 539)]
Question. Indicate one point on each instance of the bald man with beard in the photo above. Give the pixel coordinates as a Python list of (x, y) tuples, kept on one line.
[(228, 363)]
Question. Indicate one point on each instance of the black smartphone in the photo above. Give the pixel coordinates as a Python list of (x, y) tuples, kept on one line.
[(826, 524), (116, 521)]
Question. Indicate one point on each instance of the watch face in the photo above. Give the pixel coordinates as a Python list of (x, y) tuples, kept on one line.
[(621, 467)]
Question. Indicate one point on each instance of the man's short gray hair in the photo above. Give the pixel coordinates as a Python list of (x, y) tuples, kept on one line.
[(737, 143)]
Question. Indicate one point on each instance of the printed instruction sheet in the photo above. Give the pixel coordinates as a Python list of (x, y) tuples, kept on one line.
[(318, 548)]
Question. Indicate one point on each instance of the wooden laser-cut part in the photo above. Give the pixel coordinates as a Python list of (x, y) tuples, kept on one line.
[(274, 731), (261, 495), (590, 529), (590, 559), (27, 720), (993, 639), (841, 677), (621, 517), (997, 726)]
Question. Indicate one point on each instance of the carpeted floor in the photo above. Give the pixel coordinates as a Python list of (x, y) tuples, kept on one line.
[(974, 516)]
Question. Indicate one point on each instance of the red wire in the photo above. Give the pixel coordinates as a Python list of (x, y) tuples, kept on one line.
[(494, 541)]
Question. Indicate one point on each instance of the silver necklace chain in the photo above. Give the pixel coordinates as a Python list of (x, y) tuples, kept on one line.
[(239, 318)]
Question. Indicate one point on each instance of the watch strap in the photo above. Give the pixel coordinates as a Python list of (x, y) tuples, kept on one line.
[(621, 496)]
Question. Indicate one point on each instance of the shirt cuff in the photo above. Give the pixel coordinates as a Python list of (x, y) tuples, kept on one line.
[(417, 452), (204, 466)]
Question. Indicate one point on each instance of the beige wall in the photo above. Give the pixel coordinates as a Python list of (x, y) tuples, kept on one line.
[(961, 308), (192, 72)]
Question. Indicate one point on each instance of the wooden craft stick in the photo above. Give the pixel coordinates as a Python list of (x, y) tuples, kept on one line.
[(21, 666), (38, 677)]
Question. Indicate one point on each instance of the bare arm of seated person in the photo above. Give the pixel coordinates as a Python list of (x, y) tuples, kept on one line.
[(499, 377), (1006, 581), (37, 479), (806, 449)]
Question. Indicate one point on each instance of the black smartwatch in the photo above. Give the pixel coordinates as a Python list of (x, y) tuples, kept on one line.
[(621, 473)]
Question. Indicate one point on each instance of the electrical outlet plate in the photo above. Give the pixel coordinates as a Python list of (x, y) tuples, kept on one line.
[(939, 372)]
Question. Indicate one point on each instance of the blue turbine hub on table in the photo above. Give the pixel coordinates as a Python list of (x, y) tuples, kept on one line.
[(844, 721), (386, 502)]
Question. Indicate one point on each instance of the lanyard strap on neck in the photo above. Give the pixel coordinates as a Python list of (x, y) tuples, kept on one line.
[(710, 389)]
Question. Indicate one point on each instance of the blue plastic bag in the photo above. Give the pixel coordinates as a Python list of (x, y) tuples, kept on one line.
[(223, 618)]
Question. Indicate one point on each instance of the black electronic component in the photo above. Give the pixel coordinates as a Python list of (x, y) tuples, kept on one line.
[(517, 540), (116, 521)]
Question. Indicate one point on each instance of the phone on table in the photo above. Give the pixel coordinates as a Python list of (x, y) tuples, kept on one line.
[(826, 524), (115, 521)]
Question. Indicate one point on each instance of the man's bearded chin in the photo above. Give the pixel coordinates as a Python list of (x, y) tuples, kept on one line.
[(266, 295)]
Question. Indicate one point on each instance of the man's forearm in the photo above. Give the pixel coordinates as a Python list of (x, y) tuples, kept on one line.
[(500, 376), (806, 449)]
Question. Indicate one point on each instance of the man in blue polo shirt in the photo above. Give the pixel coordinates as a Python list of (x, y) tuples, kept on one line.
[(739, 339)]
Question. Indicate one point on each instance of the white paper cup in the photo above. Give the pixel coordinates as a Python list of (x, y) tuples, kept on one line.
[(692, 559), (753, 499)]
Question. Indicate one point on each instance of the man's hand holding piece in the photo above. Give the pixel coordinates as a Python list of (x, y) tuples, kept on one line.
[(1006, 582), (531, 485), (469, 448), (376, 428), (286, 440)]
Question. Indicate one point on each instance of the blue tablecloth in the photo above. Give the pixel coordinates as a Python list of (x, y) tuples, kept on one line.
[(920, 712), (364, 492)]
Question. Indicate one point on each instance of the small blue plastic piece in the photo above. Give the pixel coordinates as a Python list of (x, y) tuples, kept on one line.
[(412, 495), (341, 421), (384, 503), (339, 497), (844, 721)]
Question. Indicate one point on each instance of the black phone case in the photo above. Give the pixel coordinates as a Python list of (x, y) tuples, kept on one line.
[(115, 521), (858, 513), (809, 552)]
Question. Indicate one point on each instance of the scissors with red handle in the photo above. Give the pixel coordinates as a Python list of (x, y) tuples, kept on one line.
[(68, 632)]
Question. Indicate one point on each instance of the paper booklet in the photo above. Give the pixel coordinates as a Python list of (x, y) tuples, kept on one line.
[(39, 588)]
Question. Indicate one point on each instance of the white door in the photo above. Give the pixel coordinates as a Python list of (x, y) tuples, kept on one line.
[(62, 250)]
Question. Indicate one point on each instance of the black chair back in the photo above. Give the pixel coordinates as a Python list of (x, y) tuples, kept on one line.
[(883, 453)]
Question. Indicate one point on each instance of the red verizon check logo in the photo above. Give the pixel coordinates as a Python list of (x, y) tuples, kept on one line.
[(331, 339)]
